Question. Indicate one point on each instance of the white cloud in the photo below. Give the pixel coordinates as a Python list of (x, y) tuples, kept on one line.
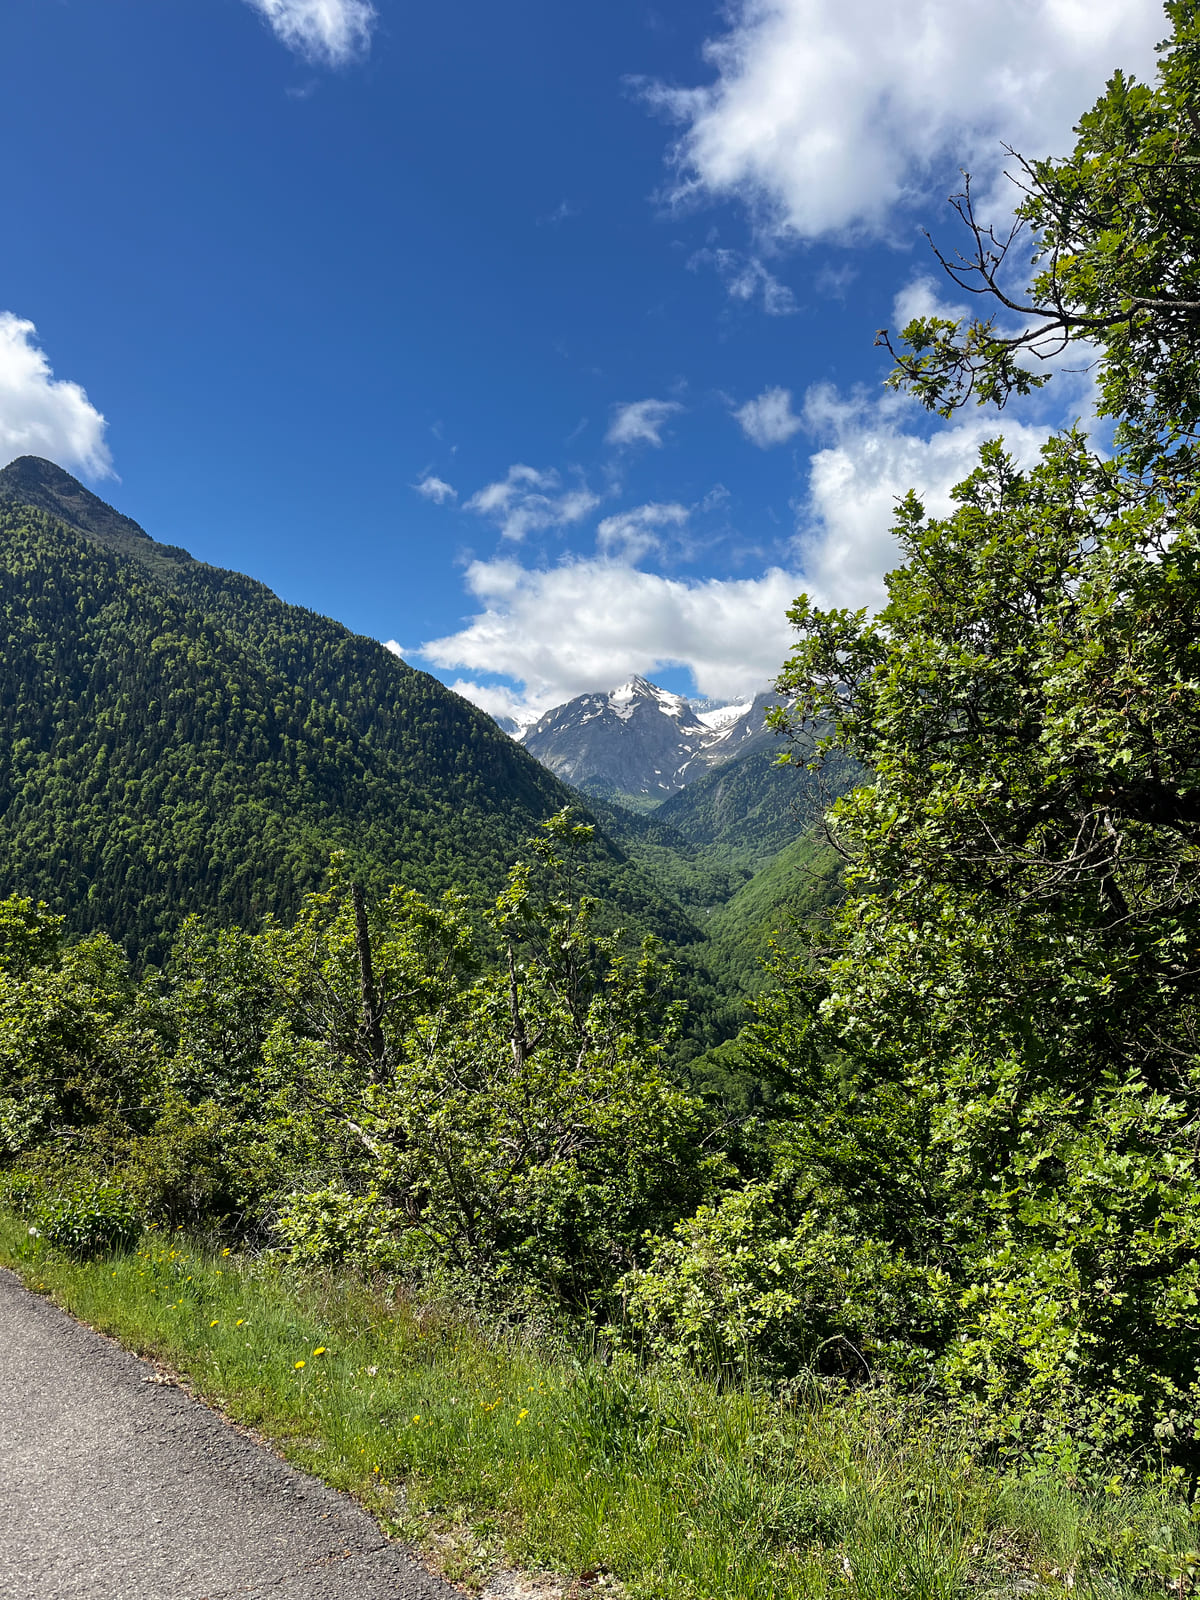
[(331, 32), (769, 419), (42, 415), (871, 462), (592, 621), (590, 624), (745, 277), (435, 489), (499, 701), (921, 297), (827, 116), (641, 421), (633, 534), (396, 649), (529, 501)]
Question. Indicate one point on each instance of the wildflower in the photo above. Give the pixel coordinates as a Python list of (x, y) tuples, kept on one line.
[(299, 1364), (213, 1323), (239, 1322), (521, 1415), (320, 1350), (417, 1419), (225, 1252)]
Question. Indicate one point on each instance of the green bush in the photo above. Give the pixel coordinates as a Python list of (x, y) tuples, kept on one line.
[(742, 1287), (187, 1169), (331, 1225), (22, 1191), (95, 1221)]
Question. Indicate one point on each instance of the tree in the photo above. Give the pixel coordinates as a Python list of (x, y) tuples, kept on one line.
[(995, 1055), (1113, 236), (514, 1125), (79, 1053)]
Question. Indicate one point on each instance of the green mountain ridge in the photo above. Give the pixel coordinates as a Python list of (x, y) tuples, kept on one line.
[(176, 738)]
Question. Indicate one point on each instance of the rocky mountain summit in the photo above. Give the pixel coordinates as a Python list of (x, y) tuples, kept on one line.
[(643, 741)]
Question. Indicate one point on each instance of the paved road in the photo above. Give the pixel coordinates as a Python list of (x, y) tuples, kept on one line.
[(115, 1488)]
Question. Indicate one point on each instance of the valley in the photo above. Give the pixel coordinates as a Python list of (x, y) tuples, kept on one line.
[(181, 741)]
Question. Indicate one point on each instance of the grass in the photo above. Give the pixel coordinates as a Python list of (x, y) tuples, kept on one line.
[(482, 1449)]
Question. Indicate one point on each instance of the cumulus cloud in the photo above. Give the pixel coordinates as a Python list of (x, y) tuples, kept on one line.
[(591, 621), (528, 501), (499, 701), (634, 534), (588, 624), (641, 421), (827, 116), (329, 32), (41, 415), (435, 489), (769, 419), (871, 460), (746, 278)]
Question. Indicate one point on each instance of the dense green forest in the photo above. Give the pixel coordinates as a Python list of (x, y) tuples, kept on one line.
[(177, 739), (969, 1166)]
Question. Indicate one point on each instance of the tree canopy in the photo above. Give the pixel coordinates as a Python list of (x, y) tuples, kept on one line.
[(1105, 240), (994, 1053)]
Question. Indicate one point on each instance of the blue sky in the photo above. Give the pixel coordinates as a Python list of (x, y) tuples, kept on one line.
[(535, 340)]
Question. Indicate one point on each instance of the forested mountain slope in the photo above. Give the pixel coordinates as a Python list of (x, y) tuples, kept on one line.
[(751, 808), (175, 738), (744, 852)]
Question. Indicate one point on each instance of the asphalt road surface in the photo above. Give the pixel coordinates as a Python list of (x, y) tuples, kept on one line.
[(115, 1487)]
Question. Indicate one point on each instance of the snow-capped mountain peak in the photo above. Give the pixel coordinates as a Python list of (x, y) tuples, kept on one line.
[(640, 739)]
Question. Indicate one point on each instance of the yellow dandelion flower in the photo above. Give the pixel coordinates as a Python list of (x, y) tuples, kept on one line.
[(416, 1419), (299, 1364), (239, 1322), (320, 1350), (213, 1323)]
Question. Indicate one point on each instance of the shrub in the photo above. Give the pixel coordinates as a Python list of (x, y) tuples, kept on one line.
[(742, 1287), (94, 1221), (331, 1225)]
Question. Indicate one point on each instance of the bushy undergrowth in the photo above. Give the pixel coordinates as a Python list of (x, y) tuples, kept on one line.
[(83, 1219), (486, 1447)]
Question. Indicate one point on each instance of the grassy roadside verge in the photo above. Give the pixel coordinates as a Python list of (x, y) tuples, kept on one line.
[(481, 1449)]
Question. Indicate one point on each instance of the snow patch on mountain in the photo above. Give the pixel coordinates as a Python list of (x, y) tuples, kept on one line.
[(724, 716)]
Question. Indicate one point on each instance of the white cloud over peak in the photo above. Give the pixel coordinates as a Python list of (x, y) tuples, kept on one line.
[(769, 419), (633, 534), (328, 32), (41, 415), (435, 489), (526, 501), (589, 624), (641, 421), (827, 116)]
